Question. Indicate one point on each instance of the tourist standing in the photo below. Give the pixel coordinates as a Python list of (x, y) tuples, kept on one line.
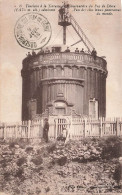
[(45, 130)]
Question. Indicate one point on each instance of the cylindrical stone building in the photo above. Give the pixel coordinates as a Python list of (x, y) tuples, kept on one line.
[(78, 76)]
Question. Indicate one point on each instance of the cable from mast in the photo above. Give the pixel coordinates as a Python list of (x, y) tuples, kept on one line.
[(81, 34)]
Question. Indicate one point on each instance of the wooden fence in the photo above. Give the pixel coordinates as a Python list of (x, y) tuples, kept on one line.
[(24, 129), (77, 128), (95, 128)]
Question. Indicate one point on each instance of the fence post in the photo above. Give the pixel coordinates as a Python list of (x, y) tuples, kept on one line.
[(69, 135), (85, 121), (5, 131), (71, 128), (117, 126), (52, 127), (56, 129), (29, 123), (100, 132), (16, 128)]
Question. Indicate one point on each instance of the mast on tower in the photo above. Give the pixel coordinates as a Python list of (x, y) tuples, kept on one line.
[(64, 19)]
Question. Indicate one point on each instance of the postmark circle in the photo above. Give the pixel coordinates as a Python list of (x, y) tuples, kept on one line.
[(32, 31)]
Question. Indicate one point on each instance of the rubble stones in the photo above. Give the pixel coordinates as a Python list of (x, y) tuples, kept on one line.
[(76, 166)]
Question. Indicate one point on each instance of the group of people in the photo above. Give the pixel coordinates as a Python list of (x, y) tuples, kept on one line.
[(40, 52), (61, 137), (31, 54), (53, 51), (76, 50), (64, 13), (93, 53)]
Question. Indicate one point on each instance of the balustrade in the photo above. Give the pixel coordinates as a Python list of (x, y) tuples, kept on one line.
[(67, 58)]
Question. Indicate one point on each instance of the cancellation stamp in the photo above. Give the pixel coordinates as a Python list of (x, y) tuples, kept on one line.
[(32, 31)]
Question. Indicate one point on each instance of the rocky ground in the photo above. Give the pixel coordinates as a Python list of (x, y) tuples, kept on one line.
[(34, 168)]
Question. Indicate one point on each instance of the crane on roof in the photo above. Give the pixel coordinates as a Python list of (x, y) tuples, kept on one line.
[(65, 19)]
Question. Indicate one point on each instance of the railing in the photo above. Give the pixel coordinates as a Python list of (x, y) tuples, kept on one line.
[(63, 57), (77, 128), (72, 57)]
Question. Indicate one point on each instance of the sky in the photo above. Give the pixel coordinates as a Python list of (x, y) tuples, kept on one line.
[(104, 31)]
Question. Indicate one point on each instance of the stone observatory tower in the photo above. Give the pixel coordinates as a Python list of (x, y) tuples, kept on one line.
[(66, 80)]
